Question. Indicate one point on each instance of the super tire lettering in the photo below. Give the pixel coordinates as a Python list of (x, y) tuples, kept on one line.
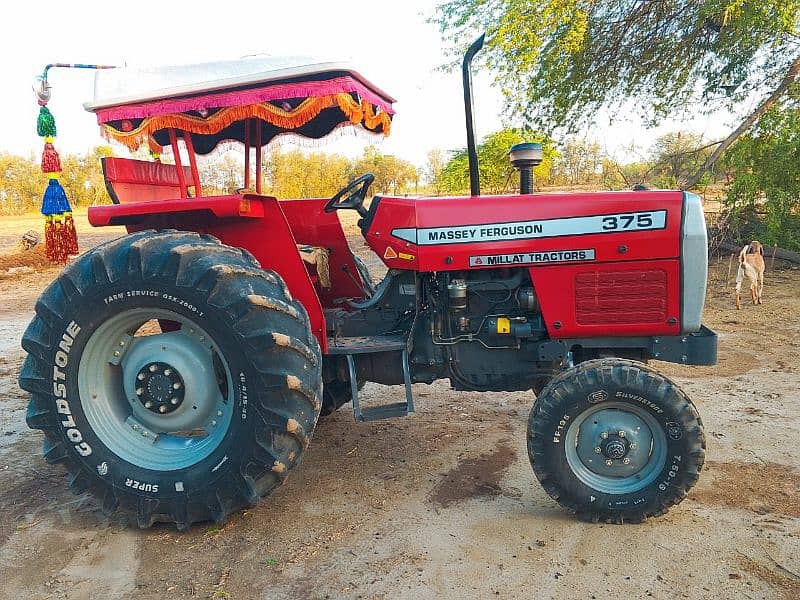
[(141, 486), (61, 360)]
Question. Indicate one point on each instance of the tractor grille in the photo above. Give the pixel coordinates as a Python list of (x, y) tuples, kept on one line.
[(617, 297)]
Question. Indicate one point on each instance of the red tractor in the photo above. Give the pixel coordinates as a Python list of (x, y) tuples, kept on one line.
[(178, 372)]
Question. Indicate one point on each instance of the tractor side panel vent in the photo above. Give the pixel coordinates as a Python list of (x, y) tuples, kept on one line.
[(617, 297)]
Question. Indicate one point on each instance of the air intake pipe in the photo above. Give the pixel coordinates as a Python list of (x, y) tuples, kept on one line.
[(524, 157)]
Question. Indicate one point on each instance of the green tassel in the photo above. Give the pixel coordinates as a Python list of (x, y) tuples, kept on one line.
[(46, 124)]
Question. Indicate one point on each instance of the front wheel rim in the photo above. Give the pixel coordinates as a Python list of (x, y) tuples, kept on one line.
[(161, 401), (616, 448)]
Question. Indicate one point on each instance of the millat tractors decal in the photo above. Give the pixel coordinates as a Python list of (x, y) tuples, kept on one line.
[(525, 230), (531, 258)]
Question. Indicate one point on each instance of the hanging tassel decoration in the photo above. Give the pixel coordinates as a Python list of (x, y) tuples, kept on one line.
[(45, 124), (61, 238), (70, 234), (51, 162)]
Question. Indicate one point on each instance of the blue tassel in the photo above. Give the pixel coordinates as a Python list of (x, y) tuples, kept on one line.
[(55, 199)]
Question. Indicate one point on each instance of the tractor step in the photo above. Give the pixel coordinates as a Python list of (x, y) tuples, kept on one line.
[(366, 344), (385, 411)]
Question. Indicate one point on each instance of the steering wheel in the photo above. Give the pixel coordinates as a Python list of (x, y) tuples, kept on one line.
[(352, 195)]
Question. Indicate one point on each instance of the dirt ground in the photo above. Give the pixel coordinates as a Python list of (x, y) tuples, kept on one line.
[(442, 504)]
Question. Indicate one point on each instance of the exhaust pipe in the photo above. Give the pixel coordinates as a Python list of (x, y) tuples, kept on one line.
[(472, 152)]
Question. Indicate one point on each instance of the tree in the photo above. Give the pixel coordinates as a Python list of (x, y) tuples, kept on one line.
[(392, 175), (559, 62), (432, 171), (579, 162), (763, 199), (496, 173), (676, 156), (294, 174)]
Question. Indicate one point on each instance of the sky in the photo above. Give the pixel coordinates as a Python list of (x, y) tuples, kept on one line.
[(389, 42)]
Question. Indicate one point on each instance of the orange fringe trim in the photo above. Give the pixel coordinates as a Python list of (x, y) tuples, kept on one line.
[(356, 112)]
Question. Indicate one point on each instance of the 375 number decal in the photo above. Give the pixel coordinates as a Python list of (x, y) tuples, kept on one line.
[(636, 221)]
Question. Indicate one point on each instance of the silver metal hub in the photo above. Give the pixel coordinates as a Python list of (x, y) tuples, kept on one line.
[(632, 447), (161, 400)]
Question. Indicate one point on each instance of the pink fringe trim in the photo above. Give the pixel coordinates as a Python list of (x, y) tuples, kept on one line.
[(308, 89)]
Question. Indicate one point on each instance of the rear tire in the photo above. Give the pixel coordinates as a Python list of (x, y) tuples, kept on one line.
[(198, 413), (613, 440)]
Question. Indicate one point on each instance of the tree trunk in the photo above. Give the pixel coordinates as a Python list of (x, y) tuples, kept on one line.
[(788, 79)]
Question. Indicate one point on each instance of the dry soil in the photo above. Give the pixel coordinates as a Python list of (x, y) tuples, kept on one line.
[(442, 504)]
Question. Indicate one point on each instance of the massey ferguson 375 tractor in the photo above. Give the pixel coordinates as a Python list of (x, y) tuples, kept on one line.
[(178, 372)]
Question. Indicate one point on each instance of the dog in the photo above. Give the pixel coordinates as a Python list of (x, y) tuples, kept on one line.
[(751, 266)]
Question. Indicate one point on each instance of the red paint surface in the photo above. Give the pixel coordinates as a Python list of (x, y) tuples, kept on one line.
[(256, 223), (631, 288), (555, 284), (311, 225)]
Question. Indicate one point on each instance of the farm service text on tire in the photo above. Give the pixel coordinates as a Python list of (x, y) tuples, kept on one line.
[(613, 440), (224, 388)]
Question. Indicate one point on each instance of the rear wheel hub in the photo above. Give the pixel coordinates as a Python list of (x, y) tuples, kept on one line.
[(160, 387)]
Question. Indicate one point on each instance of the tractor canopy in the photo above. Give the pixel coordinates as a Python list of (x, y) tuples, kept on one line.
[(252, 100)]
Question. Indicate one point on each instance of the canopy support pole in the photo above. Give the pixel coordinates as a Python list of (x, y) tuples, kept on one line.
[(187, 139), (257, 125), (247, 154), (176, 152)]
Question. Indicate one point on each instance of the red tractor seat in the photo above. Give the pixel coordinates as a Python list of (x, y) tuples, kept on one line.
[(129, 180)]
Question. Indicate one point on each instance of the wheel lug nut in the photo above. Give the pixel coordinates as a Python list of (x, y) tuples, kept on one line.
[(139, 391), (597, 450), (213, 423), (626, 461), (609, 462), (219, 413), (162, 409), (153, 368), (176, 385), (173, 401), (633, 445), (140, 376), (136, 428), (148, 404), (167, 372), (604, 435), (621, 434)]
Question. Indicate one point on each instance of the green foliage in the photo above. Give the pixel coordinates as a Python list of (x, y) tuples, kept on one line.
[(392, 175), (496, 173), (763, 198), (579, 162), (559, 61), (294, 174), (676, 156)]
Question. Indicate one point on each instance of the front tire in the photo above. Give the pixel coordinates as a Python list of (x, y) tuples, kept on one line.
[(172, 377), (613, 440)]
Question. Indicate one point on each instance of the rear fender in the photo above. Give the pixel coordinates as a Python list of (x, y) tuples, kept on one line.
[(255, 223)]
